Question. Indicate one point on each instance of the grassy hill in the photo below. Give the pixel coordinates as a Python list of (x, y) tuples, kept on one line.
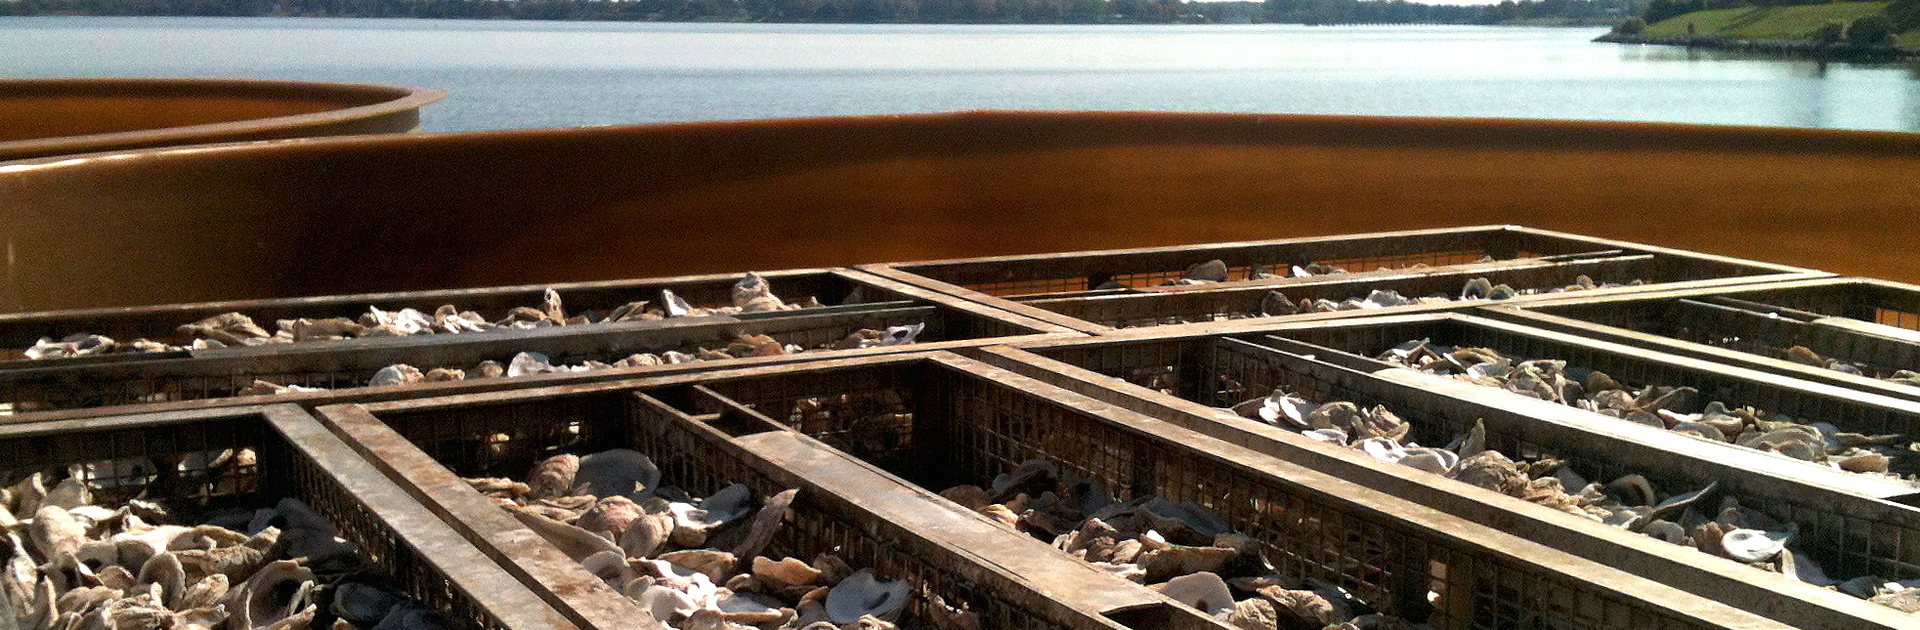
[(1798, 22)]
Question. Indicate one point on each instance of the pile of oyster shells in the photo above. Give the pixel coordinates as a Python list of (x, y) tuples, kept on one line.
[(750, 294), (1182, 550), (696, 563), (1216, 271), (1806, 356), (532, 363), (1680, 409), (1629, 502), (1275, 303), (74, 565)]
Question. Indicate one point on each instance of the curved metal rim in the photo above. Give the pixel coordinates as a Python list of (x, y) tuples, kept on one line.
[(398, 100)]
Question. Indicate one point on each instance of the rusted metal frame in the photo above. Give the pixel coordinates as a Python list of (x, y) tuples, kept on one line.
[(483, 586), (1317, 489), (158, 321), (1778, 393), (367, 356), (1665, 456), (1329, 489), (558, 580), (1765, 363)]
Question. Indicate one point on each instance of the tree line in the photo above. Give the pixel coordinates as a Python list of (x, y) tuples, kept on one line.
[(860, 11)]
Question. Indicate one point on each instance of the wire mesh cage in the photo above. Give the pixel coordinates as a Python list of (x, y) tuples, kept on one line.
[(1851, 332), (202, 465), (592, 301), (1190, 379), (885, 321)]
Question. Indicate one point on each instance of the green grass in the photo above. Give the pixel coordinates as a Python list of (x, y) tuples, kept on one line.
[(1799, 22)]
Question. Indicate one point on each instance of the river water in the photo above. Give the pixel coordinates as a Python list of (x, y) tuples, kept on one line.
[(521, 74)]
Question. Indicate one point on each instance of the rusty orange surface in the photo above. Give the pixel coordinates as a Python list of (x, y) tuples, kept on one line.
[(525, 206)]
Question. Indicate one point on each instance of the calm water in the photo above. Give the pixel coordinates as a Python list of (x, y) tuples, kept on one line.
[(515, 74)]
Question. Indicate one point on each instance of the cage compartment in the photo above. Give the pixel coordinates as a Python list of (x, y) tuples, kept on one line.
[(836, 290), (1871, 326), (54, 389), (171, 458), (1533, 278)]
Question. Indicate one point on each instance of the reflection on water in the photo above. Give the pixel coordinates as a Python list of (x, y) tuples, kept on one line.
[(512, 74)]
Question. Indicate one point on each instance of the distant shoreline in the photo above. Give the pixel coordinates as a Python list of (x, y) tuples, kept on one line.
[(1842, 51)]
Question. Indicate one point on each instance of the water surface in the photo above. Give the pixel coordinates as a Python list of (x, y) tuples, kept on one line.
[(519, 74)]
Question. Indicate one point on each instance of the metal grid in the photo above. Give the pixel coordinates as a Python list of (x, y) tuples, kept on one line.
[(176, 463), (967, 429), (506, 439), (54, 385)]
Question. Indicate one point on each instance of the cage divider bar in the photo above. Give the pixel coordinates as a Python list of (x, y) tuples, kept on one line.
[(933, 527), (892, 283), (562, 583), (1055, 321), (469, 571)]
